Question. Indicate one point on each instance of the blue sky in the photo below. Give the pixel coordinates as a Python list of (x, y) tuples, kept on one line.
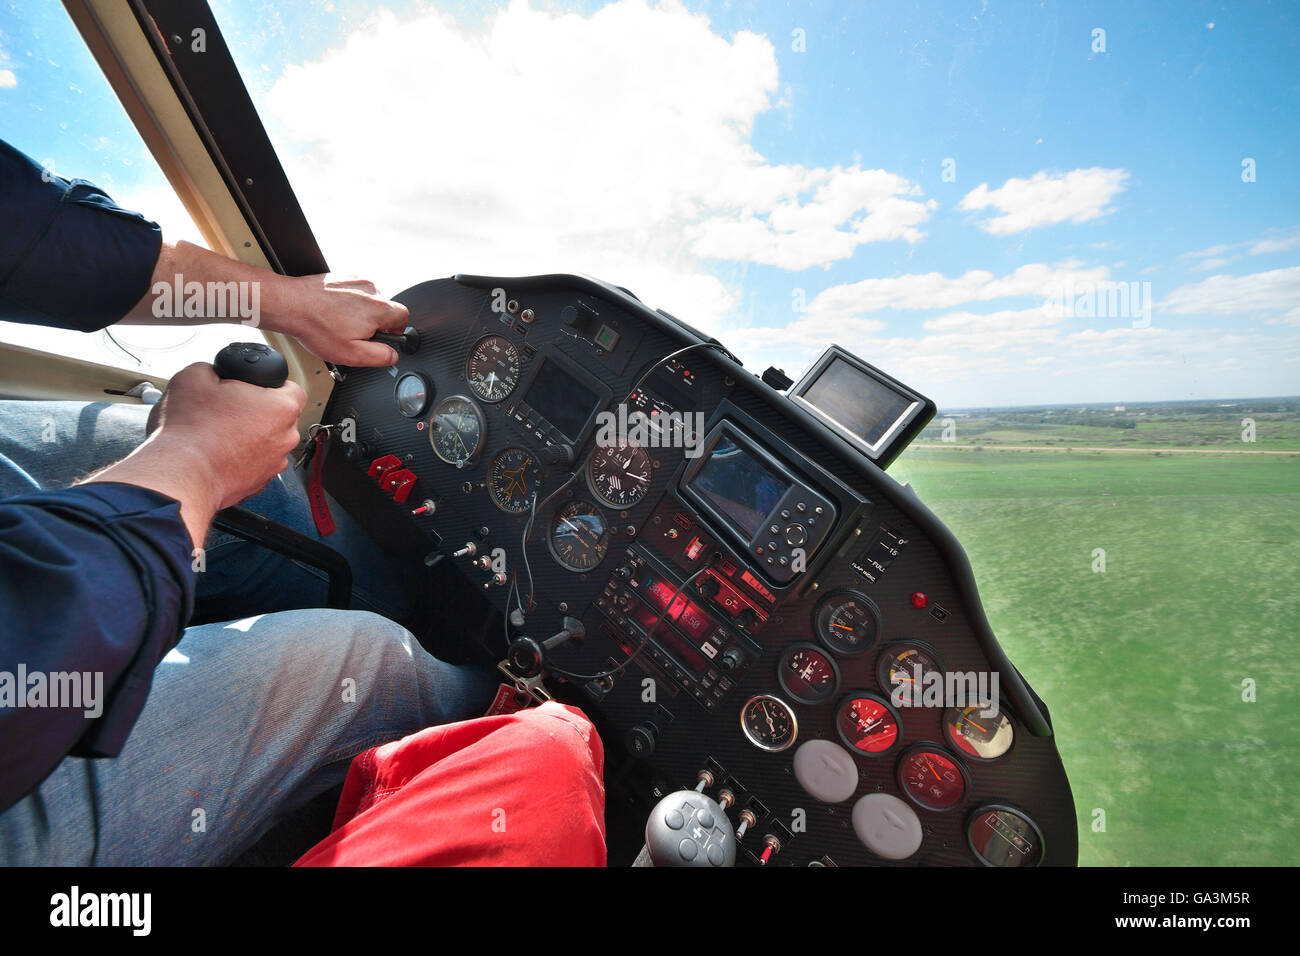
[(774, 172)]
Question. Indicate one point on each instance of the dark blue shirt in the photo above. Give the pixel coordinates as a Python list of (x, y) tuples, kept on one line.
[(94, 579)]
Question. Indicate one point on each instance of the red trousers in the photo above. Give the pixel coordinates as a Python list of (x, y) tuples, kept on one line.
[(523, 789)]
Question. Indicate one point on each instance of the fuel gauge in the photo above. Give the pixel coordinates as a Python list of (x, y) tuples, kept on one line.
[(808, 674), (867, 724)]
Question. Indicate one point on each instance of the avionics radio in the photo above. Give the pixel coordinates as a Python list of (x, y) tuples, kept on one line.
[(695, 650)]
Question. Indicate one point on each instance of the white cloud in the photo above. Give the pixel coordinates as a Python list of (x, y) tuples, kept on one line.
[(1274, 294), (8, 79), (933, 290), (1047, 198), (616, 144)]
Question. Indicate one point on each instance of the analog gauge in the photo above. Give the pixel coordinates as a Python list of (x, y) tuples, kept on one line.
[(931, 779), (768, 723), (412, 394), (619, 475), (808, 674), (898, 669), (1003, 836), (513, 480), (977, 735), (579, 538), (847, 622), (457, 430), (867, 724), (493, 368)]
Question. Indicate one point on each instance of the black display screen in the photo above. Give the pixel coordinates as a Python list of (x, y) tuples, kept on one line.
[(561, 399), (739, 485), (860, 403)]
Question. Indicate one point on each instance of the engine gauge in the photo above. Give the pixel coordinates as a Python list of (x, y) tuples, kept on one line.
[(493, 368), (978, 736), (768, 723), (867, 724), (847, 622), (808, 674), (457, 430), (931, 779), (619, 475), (1004, 836), (579, 538), (898, 667), (412, 393), (513, 480)]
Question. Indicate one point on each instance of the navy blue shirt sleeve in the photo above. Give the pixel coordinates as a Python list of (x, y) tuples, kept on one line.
[(96, 585), (69, 256)]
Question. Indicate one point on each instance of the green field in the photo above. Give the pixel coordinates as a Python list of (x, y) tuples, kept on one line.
[(1142, 665)]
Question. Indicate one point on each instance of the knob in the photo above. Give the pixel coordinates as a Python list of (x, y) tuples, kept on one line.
[(732, 658), (746, 618), (642, 738), (251, 362), (407, 341), (560, 454), (709, 587)]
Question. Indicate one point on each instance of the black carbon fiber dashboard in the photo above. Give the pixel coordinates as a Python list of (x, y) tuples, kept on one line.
[(719, 684)]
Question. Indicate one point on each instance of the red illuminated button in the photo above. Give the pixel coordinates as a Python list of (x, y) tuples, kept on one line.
[(919, 599)]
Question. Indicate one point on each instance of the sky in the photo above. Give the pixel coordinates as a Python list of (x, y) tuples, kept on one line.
[(998, 203)]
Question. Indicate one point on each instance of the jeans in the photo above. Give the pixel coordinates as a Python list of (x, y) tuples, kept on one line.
[(246, 720)]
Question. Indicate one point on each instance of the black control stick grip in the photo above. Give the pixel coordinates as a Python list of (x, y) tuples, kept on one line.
[(252, 362), (408, 341)]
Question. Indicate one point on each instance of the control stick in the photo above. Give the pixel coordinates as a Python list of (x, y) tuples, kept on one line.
[(251, 362), (688, 828)]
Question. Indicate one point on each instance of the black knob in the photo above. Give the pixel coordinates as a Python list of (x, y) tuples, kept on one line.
[(746, 618), (558, 454), (525, 656), (642, 738), (709, 587), (732, 658), (408, 341), (251, 362)]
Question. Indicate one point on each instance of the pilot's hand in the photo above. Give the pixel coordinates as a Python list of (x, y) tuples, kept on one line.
[(334, 316), (242, 432)]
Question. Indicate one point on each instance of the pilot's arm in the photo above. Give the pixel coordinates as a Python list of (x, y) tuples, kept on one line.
[(97, 579)]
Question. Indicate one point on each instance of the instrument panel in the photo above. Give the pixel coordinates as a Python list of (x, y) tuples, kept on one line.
[(762, 607)]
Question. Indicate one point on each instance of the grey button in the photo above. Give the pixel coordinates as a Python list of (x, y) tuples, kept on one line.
[(688, 849), (675, 819)]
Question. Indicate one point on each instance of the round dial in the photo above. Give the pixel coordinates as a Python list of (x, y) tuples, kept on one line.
[(412, 393), (493, 368), (513, 480), (808, 674), (579, 538), (1003, 836), (619, 475), (931, 779), (978, 736), (897, 671), (768, 723), (847, 622), (867, 724), (457, 430)]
